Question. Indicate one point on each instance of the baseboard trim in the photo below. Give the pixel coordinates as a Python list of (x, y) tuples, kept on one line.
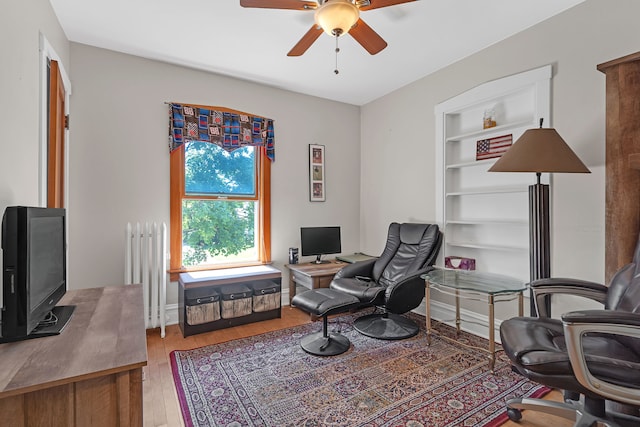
[(472, 322), (171, 311)]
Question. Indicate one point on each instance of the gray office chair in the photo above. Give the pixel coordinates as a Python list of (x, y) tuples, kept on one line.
[(593, 353)]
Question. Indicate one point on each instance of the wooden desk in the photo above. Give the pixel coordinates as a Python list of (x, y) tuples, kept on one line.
[(89, 375), (311, 275)]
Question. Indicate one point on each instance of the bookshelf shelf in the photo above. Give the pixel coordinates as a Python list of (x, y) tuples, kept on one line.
[(485, 214)]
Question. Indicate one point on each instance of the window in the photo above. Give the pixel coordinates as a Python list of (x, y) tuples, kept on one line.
[(220, 207)]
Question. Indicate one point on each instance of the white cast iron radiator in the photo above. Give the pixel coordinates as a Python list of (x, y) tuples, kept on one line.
[(146, 263)]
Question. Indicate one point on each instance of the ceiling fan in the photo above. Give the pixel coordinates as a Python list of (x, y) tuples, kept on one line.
[(334, 17)]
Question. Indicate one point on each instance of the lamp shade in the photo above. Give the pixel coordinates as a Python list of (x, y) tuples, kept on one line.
[(336, 17), (539, 150)]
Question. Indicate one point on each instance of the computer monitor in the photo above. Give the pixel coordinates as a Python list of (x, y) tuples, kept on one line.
[(320, 241)]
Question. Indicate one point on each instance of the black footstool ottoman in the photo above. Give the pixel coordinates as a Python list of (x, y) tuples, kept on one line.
[(324, 302)]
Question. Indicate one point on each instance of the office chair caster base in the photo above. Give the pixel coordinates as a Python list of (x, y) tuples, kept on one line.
[(386, 326), (514, 414)]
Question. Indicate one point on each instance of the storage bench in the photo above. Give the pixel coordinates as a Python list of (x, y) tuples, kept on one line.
[(212, 300)]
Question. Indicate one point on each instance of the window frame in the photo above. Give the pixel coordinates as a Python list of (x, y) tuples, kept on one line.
[(178, 194)]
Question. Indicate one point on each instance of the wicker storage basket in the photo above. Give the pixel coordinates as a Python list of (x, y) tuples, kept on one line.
[(202, 306), (266, 296), (236, 301)]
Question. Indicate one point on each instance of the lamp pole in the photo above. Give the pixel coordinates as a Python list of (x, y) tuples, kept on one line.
[(539, 240)]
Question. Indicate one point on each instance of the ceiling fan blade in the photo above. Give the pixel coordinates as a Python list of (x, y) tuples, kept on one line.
[(377, 4), (306, 41), (369, 39), (280, 4)]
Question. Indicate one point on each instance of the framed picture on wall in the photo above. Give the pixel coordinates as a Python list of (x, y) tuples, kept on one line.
[(316, 173)]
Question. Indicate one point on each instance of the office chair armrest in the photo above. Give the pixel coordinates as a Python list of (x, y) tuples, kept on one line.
[(560, 285), (578, 323), (604, 317), (361, 268)]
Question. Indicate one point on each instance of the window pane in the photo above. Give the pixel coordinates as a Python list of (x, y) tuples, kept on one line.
[(218, 231), (211, 170)]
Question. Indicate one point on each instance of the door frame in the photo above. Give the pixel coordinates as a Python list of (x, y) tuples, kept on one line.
[(47, 52)]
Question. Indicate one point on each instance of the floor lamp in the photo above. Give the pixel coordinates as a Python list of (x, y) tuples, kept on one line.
[(540, 151)]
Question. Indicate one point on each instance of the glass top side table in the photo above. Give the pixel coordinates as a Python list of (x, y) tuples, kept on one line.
[(473, 285)]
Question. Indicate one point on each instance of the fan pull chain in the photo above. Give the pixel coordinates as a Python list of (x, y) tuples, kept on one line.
[(337, 50)]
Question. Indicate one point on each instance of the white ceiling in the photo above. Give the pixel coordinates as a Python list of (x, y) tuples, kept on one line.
[(252, 44)]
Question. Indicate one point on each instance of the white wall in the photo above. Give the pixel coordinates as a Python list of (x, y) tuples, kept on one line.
[(398, 130), (119, 161), (21, 23)]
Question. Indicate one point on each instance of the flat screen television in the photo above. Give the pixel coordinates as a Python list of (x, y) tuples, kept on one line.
[(34, 274), (320, 241)]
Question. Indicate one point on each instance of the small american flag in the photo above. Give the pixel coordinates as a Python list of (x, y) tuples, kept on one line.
[(493, 147)]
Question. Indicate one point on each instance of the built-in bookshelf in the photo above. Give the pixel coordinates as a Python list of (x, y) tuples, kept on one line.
[(485, 215)]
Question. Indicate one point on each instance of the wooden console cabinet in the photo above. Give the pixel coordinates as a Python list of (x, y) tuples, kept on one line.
[(89, 375), (622, 214)]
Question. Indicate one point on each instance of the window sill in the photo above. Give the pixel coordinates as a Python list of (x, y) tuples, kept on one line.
[(174, 275)]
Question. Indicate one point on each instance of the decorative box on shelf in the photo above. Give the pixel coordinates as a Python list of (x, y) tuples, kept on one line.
[(459, 263)]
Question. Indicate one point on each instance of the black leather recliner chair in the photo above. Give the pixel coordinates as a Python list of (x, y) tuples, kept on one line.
[(593, 353), (392, 281)]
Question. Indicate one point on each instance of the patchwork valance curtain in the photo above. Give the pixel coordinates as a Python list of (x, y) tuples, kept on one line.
[(226, 128)]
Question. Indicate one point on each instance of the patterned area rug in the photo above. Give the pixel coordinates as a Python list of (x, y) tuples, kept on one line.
[(268, 380)]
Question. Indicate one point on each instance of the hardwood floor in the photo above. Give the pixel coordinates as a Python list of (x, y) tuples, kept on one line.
[(160, 405)]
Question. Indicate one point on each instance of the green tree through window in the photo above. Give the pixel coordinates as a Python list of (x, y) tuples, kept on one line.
[(219, 207)]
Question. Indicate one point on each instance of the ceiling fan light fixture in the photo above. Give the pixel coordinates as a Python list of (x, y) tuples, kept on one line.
[(336, 17)]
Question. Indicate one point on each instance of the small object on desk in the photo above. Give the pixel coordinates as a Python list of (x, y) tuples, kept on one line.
[(459, 263), (293, 255)]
